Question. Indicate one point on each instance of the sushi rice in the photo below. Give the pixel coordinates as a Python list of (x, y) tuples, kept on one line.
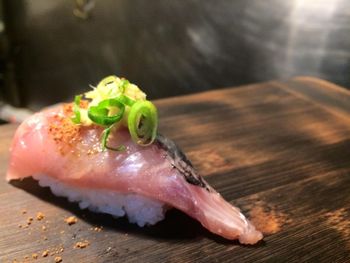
[(139, 209)]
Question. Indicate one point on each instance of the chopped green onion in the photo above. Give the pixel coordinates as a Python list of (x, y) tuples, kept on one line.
[(126, 100), (124, 85), (76, 109), (99, 113), (109, 102), (143, 122), (108, 80), (105, 135)]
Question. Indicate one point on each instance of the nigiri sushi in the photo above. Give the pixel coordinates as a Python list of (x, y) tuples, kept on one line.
[(104, 152)]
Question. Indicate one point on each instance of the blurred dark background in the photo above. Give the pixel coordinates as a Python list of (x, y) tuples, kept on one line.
[(51, 50)]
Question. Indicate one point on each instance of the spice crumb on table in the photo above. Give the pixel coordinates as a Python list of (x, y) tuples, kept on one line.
[(40, 216), (29, 220), (58, 259), (45, 253), (82, 244), (267, 219), (97, 228), (71, 220)]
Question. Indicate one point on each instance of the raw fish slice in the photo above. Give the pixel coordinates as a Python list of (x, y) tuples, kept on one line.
[(49, 144)]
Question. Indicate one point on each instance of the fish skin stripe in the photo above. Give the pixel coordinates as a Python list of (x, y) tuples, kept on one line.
[(179, 161)]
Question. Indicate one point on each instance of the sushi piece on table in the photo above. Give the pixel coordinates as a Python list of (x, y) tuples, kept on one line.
[(104, 152)]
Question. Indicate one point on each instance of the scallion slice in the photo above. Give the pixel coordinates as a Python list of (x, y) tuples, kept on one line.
[(76, 109), (124, 85), (100, 113), (105, 135), (109, 101), (126, 100), (143, 122)]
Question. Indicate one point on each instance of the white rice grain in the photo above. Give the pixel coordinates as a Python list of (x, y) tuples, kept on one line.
[(139, 209)]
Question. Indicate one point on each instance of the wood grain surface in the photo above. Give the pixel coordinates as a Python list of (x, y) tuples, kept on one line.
[(278, 150)]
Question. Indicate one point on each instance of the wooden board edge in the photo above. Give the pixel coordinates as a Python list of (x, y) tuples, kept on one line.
[(321, 93), (322, 83)]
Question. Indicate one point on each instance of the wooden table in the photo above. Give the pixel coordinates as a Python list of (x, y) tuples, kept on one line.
[(279, 150)]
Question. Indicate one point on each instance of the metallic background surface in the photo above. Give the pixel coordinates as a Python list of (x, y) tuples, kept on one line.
[(172, 47)]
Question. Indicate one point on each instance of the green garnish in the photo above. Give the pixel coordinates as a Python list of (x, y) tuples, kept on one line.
[(117, 100), (126, 100), (143, 122), (123, 85), (100, 114), (105, 135), (76, 109)]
